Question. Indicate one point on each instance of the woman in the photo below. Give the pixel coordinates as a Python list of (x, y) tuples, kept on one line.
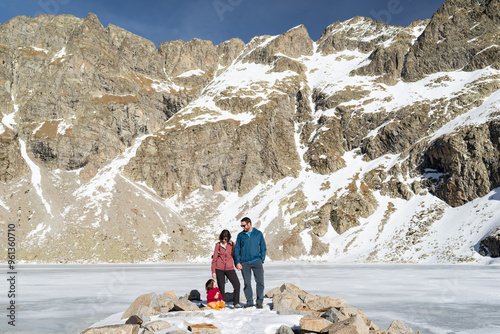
[(223, 266)]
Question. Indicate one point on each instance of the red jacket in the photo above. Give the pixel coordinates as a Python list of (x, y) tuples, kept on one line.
[(213, 295), (222, 258)]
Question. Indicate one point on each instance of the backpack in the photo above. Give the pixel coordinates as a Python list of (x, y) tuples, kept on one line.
[(229, 243)]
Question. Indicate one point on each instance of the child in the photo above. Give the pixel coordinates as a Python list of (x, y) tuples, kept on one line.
[(214, 297)]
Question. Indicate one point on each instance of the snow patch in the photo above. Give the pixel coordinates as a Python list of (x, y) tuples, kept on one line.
[(191, 73), (36, 177)]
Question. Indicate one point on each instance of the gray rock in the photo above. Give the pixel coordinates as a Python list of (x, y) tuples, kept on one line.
[(158, 325), (490, 246), (399, 327), (334, 315), (144, 303), (285, 330), (114, 329)]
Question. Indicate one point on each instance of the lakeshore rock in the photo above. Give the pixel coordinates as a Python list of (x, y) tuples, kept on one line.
[(148, 301), (113, 329)]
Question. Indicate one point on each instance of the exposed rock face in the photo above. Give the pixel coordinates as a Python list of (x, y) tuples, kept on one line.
[(85, 94), (117, 151), (12, 164), (389, 61), (490, 246), (467, 163), (459, 35), (358, 33)]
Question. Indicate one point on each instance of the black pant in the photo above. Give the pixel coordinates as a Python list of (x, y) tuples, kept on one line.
[(233, 278)]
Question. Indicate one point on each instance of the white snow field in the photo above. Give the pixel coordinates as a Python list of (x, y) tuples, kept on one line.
[(439, 299)]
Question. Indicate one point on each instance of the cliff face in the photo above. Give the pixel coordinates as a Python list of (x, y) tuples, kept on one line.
[(361, 146)]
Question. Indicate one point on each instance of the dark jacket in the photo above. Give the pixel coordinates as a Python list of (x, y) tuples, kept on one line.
[(250, 247)]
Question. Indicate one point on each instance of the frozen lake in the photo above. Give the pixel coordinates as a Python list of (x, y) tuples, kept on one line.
[(441, 299)]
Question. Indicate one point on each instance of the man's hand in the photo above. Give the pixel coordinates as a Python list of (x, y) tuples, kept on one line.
[(214, 275), (239, 266)]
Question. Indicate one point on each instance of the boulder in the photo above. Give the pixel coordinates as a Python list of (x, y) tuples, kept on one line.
[(158, 325), (353, 325), (272, 292), (148, 300), (313, 323), (144, 312), (333, 315), (169, 294), (286, 301), (323, 304), (114, 329), (166, 303), (203, 328), (350, 311), (399, 327), (184, 304), (134, 320), (285, 330), (188, 314)]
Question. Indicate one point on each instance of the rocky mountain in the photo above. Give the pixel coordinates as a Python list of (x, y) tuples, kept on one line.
[(374, 143)]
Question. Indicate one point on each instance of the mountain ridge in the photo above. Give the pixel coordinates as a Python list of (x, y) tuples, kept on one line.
[(350, 148)]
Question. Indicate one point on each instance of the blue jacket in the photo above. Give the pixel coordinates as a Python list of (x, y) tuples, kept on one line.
[(249, 248)]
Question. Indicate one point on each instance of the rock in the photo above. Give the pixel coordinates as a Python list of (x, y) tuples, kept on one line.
[(490, 246), (114, 329), (203, 328), (166, 303), (399, 327), (341, 36), (323, 304), (313, 323), (293, 43), (285, 330), (286, 300), (134, 320), (388, 61), (184, 304), (301, 311), (187, 314), (272, 292), (145, 312), (353, 325), (455, 38), (467, 162), (333, 315), (149, 300), (169, 294), (158, 325), (349, 311), (353, 205)]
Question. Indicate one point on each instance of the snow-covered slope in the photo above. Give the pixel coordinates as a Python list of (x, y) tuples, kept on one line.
[(346, 149)]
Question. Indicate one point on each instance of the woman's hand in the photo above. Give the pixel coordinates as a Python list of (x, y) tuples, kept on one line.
[(214, 275)]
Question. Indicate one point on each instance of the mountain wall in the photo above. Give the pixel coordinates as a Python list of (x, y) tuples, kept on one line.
[(375, 143)]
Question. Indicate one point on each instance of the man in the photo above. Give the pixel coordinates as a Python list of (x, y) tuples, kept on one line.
[(249, 255)]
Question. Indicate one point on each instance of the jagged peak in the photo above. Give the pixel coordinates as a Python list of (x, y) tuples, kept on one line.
[(92, 21), (452, 6), (359, 26)]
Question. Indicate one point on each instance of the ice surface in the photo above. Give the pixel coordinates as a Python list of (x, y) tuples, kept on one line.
[(438, 299)]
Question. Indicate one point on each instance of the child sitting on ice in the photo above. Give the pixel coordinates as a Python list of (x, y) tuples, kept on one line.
[(214, 297)]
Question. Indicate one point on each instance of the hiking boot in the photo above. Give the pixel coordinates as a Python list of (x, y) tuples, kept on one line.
[(259, 305), (238, 306), (248, 305)]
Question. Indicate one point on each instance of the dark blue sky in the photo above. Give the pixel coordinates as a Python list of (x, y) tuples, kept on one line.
[(220, 20)]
